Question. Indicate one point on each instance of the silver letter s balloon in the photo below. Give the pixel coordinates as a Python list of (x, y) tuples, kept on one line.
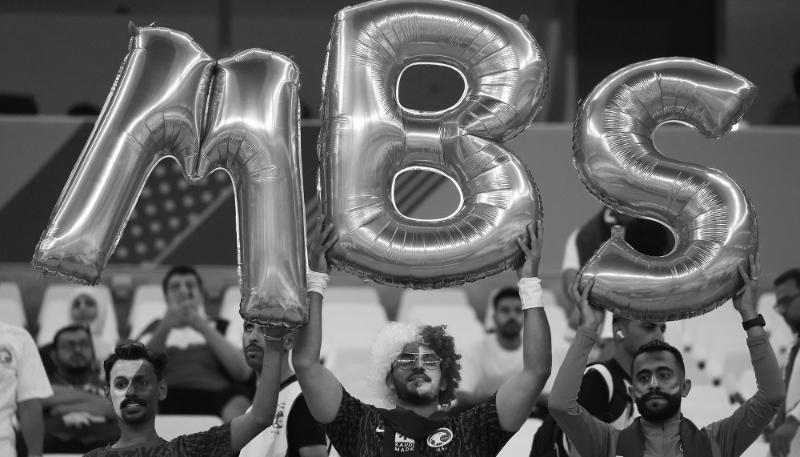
[(710, 215), (156, 109), (367, 138)]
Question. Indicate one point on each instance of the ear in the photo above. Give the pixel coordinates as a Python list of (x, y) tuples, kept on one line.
[(442, 384), (162, 390), (389, 381), (686, 386), (631, 393), (617, 331), (288, 343), (107, 394)]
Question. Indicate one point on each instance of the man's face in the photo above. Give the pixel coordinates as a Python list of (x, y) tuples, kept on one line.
[(73, 352), (638, 333), (788, 303), (416, 385), (135, 391), (508, 317), (253, 345), (184, 290), (84, 310), (658, 385)]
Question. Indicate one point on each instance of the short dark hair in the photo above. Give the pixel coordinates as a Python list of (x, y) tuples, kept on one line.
[(444, 346), (794, 274), (72, 328), (659, 346), (181, 270), (134, 350), (508, 292)]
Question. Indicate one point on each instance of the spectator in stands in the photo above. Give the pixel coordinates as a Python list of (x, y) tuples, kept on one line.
[(782, 440), (86, 312), (605, 388), (294, 432), (497, 356), (23, 385), (203, 363), (135, 384), (659, 384), (416, 368), (77, 418)]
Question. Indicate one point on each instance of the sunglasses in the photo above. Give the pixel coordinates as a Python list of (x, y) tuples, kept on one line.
[(407, 360)]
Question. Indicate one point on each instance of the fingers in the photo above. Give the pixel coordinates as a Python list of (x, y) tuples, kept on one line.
[(587, 290), (524, 247), (575, 288), (539, 231)]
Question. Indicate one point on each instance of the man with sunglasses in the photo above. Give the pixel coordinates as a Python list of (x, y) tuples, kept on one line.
[(415, 368), (784, 440)]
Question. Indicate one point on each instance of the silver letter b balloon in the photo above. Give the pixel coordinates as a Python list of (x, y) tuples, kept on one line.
[(367, 138), (157, 109), (710, 215)]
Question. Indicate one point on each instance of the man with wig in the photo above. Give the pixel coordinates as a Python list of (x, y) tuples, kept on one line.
[(415, 368), (659, 385)]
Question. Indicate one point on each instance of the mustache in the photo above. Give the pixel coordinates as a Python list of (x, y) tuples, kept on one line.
[(253, 346), (129, 401), (417, 372)]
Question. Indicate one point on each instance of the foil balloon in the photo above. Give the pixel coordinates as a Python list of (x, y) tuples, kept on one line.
[(711, 217), (367, 138), (157, 109)]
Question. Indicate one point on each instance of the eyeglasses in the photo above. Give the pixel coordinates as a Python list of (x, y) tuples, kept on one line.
[(786, 301), (407, 360)]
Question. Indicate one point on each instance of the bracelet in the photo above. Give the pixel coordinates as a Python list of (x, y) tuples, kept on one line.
[(317, 282), (530, 292), (754, 322)]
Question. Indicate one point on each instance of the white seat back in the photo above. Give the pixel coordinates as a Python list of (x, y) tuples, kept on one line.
[(149, 304), (12, 310), (229, 310), (55, 312)]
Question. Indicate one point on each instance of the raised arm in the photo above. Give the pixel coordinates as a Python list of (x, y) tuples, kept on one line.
[(229, 356), (517, 396), (589, 436), (322, 390), (247, 426)]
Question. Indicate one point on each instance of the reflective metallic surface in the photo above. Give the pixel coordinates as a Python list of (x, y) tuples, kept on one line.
[(156, 109), (367, 138), (711, 217)]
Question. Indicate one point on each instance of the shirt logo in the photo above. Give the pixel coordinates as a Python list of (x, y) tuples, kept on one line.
[(403, 443), (5, 356), (440, 437), (277, 424)]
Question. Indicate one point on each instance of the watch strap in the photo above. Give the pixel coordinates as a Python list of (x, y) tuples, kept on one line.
[(754, 322)]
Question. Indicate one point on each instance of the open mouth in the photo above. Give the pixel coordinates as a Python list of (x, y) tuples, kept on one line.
[(132, 405), (418, 378)]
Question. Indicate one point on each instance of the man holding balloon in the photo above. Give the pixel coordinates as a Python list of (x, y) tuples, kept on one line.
[(419, 373)]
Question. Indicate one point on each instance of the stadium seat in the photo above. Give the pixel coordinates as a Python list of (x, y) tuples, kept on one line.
[(350, 364), (229, 310), (706, 404), (351, 295), (722, 323), (12, 310), (521, 442), (170, 426), (733, 366), (54, 313), (350, 324), (148, 305), (444, 306)]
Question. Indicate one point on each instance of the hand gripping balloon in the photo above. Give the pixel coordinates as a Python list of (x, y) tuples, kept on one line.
[(367, 139), (156, 109), (711, 217)]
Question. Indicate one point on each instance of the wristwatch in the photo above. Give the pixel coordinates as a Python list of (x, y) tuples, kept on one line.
[(754, 322)]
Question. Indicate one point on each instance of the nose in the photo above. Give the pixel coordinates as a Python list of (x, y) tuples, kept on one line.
[(254, 333), (130, 391), (653, 382)]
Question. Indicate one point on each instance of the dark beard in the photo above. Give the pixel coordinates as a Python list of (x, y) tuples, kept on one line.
[(411, 397), (667, 412)]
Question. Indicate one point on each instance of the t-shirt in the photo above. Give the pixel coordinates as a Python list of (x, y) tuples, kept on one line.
[(22, 377), (215, 442), (358, 430), (487, 365)]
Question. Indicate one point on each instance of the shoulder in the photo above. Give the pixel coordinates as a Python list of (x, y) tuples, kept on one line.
[(151, 327)]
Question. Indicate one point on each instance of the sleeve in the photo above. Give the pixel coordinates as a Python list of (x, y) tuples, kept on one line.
[(736, 433), (301, 428), (214, 442), (590, 436), (482, 425), (593, 396), (32, 377), (571, 260), (343, 431)]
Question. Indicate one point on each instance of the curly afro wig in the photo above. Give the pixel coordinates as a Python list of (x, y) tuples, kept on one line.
[(389, 343)]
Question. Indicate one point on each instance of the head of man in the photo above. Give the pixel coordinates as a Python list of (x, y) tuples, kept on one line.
[(183, 287), (415, 364), (630, 335), (134, 382), (508, 315), (254, 346), (787, 294), (659, 381), (84, 310), (72, 351)]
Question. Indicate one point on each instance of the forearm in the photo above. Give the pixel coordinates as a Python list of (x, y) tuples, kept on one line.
[(308, 341), (564, 395), (231, 358), (244, 428), (63, 395), (96, 406), (771, 388), (31, 424)]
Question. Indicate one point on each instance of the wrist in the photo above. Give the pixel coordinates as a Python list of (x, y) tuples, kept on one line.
[(750, 315)]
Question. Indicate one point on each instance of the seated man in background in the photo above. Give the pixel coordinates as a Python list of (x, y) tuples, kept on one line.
[(203, 364), (605, 387), (659, 384), (294, 432), (415, 367), (23, 385), (77, 417), (496, 357), (135, 384)]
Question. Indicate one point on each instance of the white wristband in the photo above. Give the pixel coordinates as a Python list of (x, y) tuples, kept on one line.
[(530, 292), (317, 282)]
